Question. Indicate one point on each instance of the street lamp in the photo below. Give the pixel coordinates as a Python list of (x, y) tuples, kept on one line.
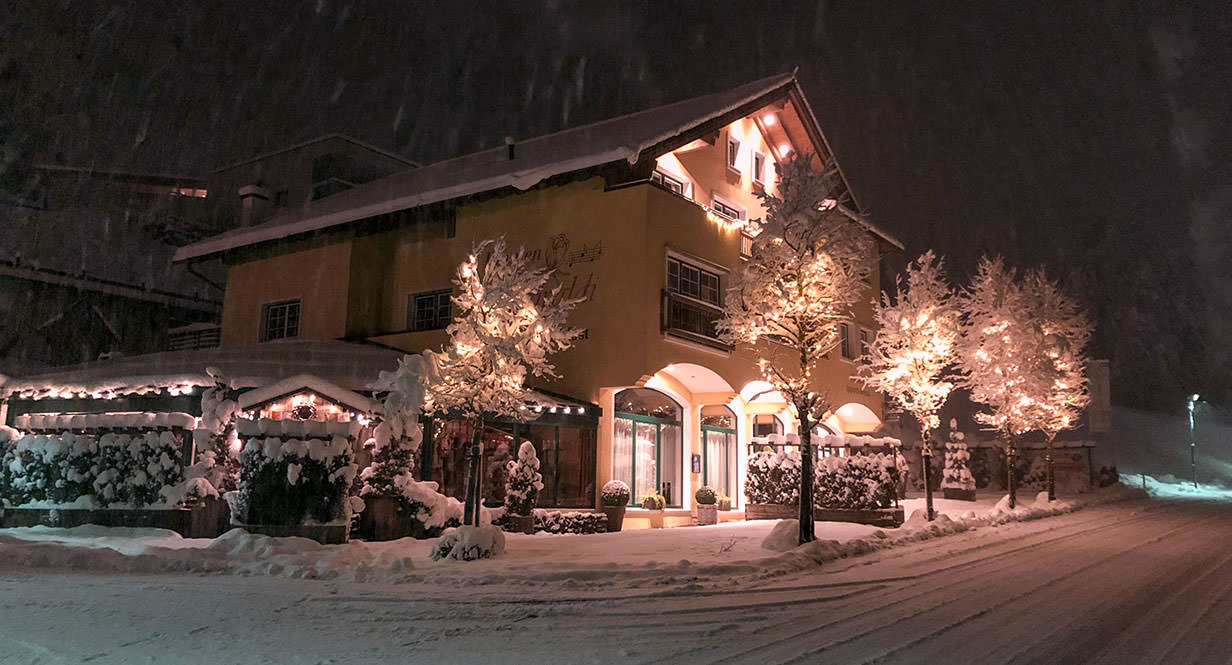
[(1193, 461)]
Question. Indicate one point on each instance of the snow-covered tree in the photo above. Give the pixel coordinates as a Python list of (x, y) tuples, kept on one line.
[(994, 355), (523, 482), (913, 349), (957, 473), (398, 434), (805, 273), (1060, 330), (505, 327)]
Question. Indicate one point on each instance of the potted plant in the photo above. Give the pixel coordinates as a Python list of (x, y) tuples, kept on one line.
[(723, 502), (614, 497), (522, 484), (654, 504), (707, 508)]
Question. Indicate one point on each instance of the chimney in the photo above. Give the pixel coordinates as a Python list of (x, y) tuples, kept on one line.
[(254, 204), (509, 145)]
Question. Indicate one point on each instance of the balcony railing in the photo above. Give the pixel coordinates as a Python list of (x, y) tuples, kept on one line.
[(692, 320), (194, 336)]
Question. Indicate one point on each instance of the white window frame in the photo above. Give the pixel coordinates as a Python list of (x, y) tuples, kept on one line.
[(759, 171), (733, 153)]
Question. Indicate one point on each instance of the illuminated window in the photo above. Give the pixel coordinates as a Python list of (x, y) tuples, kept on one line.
[(279, 320), (668, 182), (430, 310), (765, 424), (759, 168), (733, 153)]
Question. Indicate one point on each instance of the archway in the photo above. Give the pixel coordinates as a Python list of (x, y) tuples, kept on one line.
[(647, 443)]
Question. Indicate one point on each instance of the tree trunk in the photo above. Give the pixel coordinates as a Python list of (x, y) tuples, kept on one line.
[(470, 513), (926, 455), (1010, 454), (1052, 483), (807, 534)]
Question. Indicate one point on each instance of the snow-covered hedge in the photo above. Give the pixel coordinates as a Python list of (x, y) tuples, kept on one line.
[(555, 521), (421, 500), (857, 482), (92, 471), (294, 481)]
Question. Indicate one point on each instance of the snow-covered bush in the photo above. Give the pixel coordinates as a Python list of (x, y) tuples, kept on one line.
[(860, 482), (957, 473), (555, 521), (774, 477), (615, 493), (1037, 474), (706, 496), (468, 543), (523, 481), (85, 470), (421, 501), (294, 481)]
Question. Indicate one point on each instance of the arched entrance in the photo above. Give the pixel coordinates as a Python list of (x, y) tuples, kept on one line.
[(647, 444)]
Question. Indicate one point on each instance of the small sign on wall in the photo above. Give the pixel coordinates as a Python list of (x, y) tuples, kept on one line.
[(697, 463)]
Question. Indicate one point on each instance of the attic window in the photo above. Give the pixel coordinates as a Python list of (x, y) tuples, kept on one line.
[(668, 182), (733, 153), (759, 168)]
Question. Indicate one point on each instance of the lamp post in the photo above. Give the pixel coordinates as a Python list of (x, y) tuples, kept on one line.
[(1193, 445)]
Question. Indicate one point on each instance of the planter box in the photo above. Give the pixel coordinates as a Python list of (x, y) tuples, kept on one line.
[(772, 511), (326, 534), (957, 494), (522, 524), (884, 517), (615, 517), (209, 518), (383, 519), (656, 518), (707, 514)]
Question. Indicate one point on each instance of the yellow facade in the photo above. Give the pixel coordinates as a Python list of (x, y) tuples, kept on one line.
[(607, 245)]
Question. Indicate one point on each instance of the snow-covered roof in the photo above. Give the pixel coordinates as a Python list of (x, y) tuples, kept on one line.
[(316, 384), (535, 160), (349, 366)]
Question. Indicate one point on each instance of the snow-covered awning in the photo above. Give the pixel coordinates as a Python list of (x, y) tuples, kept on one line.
[(258, 397)]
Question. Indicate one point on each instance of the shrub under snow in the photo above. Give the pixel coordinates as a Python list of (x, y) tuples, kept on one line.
[(523, 481), (957, 473), (468, 543), (857, 482)]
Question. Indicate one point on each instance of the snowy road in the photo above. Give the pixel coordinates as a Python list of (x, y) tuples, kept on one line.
[(1137, 582)]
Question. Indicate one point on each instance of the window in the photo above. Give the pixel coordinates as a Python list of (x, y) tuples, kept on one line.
[(759, 168), (429, 310), (279, 320), (733, 153), (689, 280), (852, 341), (765, 424), (727, 210), (669, 182), (718, 439), (647, 450)]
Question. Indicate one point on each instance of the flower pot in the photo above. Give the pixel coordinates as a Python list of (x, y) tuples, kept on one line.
[(656, 518), (523, 523), (707, 514), (615, 517), (958, 494)]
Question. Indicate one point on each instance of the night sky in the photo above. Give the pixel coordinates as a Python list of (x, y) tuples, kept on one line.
[(1092, 139)]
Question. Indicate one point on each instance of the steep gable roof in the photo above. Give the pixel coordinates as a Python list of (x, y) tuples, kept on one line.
[(627, 138)]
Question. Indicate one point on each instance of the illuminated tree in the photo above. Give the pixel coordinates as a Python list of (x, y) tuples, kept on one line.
[(1060, 331), (805, 273), (914, 346), (505, 326)]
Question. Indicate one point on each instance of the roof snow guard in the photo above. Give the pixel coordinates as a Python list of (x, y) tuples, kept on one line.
[(626, 138)]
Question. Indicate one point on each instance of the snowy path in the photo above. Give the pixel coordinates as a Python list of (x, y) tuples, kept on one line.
[(1147, 582)]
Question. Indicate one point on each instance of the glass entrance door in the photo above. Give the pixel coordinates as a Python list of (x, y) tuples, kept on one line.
[(646, 474), (719, 455)]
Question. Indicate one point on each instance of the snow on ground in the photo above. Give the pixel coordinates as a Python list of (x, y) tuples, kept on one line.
[(1167, 486), (1129, 582), (631, 558)]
